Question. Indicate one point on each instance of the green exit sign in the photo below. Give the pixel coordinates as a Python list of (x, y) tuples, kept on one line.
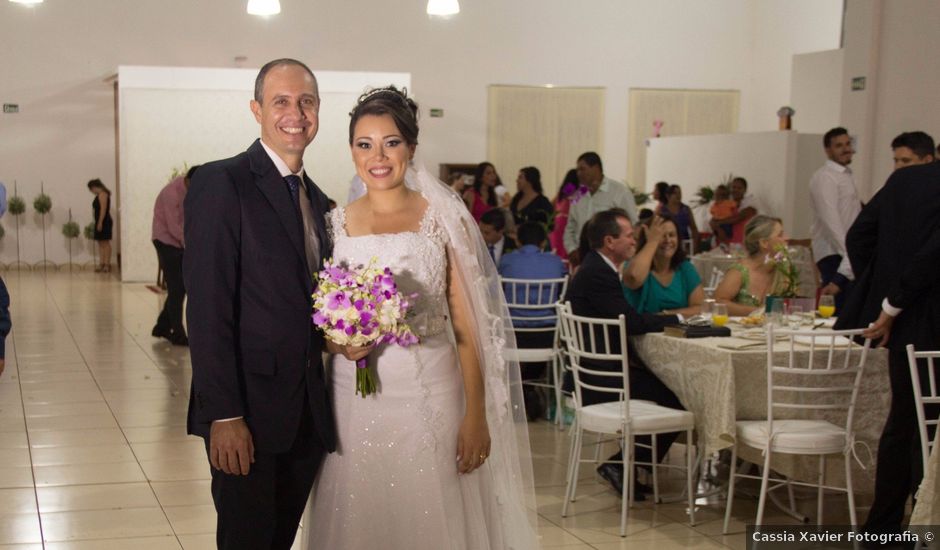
[(858, 83), (10, 108), (437, 113)]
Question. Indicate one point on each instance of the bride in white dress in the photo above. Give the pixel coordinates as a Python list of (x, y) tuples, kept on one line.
[(439, 457)]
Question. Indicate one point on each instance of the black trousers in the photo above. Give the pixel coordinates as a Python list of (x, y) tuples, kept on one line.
[(262, 510), (900, 468), (828, 267), (171, 262), (643, 385)]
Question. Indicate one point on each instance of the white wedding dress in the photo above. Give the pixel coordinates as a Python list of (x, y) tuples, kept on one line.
[(393, 481)]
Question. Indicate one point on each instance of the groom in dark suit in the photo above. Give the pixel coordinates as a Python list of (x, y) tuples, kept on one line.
[(595, 291), (255, 234), (894, 247)]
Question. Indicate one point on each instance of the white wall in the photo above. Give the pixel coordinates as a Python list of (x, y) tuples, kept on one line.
[(57, 55), (780, 30), (816, 90), (892, 44), (775, 165), (171, 115)]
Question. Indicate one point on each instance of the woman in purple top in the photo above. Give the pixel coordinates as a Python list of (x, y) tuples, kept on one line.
[(681, 214)]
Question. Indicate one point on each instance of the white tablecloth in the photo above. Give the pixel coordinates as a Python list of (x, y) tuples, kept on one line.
[(721, 386)]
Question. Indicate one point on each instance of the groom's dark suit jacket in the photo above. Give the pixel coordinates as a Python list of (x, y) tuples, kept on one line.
[(254, 351)]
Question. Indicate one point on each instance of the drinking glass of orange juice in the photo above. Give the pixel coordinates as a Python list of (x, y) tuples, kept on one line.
[(720, 315), (827, 306)]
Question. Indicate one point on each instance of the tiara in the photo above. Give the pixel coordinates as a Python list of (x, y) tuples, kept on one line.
[(400, 95)]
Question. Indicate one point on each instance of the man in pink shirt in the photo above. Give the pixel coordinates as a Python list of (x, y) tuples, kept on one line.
[(167, 237)]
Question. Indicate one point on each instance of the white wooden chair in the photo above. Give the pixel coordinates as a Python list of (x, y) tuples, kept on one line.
[(925, 397), (589, 340), (532, 302), (714, 279), (818, 386)]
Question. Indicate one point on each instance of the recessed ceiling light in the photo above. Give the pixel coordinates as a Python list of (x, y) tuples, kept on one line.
[(27, 2), (264, 7), (443, 7)]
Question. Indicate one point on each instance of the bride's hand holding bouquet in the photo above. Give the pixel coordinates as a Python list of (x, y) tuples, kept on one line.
[(357, 308)]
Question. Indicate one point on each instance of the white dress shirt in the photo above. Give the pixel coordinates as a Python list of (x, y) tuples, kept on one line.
[(611, 194), (835, 204)]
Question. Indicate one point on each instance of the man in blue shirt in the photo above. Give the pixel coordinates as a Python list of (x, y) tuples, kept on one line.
[(530, 262)]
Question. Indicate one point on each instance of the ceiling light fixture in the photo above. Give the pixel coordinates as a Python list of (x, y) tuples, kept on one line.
[(264, 7), (443, 7), (27, 2)]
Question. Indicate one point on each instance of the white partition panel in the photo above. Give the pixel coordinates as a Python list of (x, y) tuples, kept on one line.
[(777, 166), (172, 115)]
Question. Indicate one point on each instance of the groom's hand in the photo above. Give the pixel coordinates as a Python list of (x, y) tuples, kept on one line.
[(353, 353), (230, 447)]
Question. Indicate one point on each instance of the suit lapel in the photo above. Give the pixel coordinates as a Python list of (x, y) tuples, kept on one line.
[(272, 186)]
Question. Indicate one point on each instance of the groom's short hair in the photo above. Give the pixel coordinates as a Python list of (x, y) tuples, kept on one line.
[(259, 80)]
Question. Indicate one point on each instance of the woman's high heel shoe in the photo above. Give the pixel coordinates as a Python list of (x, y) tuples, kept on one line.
[(99, 268), (107, 268)]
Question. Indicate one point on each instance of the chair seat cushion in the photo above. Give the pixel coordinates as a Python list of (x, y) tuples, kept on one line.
[(794, 436), (529, 355), (646, 417)]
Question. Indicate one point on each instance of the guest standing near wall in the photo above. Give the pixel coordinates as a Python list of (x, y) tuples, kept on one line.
[(167, 235), (101, 207)]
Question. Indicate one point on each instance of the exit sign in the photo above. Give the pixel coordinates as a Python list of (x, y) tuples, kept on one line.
[(9, 108), (858, 83)]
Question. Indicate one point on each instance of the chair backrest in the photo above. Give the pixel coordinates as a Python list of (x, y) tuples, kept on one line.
[(532, 302), (925, 394), (819, 376), (714, 279), (590, 341)]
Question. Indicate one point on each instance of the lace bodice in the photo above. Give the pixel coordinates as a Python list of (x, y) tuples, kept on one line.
[(418, 260)]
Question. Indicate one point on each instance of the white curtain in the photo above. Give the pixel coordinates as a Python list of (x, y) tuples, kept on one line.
[(683, 113), (543, 127)]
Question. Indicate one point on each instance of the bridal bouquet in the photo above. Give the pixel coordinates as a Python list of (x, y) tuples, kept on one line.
[(358, 307)]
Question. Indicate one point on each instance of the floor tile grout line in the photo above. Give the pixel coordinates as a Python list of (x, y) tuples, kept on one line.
[(110, 409), (29, 448)]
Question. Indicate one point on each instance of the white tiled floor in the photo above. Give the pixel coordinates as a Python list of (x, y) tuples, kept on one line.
[(94, 454)]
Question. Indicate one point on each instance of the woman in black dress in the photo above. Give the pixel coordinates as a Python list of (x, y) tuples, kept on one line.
[(103, 223), (529, 204)]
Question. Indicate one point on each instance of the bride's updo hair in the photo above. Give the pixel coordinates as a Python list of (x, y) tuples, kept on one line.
[(388, 101)]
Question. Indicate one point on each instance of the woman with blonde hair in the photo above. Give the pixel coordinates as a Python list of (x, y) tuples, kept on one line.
[(747, 283)]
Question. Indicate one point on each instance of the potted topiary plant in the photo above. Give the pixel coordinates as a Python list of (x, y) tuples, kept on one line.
[(43, 204), (89, 234), (16, 206), (70, 231)]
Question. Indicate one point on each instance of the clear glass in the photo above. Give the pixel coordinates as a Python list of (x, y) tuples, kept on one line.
[(827, 306), (776, 313), (708, 307), (795, 317), (720, 315)]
